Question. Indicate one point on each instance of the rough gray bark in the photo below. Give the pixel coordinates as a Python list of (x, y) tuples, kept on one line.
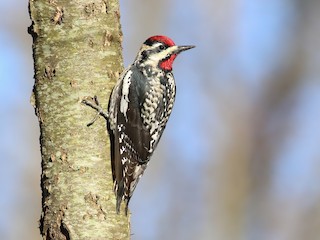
[(77, 53)]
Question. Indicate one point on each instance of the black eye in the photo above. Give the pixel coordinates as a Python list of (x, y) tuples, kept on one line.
[(162, 47)]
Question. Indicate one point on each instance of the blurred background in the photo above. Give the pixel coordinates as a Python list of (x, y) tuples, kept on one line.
[(240, 159)]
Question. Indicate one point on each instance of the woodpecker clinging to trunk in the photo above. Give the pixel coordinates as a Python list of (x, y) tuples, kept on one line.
[(139, 108)]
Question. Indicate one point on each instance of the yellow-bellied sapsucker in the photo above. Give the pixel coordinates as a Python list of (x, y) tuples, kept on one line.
[(139, 108)]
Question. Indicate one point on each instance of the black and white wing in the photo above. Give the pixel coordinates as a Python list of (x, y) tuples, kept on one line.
[(130, 139)]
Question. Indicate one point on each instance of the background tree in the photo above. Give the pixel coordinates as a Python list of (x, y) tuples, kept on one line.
[(77, 53), (240, 155)]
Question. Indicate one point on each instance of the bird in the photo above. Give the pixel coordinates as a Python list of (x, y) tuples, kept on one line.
[(139, 108)]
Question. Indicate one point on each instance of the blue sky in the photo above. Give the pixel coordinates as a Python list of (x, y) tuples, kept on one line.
[(256, 46)]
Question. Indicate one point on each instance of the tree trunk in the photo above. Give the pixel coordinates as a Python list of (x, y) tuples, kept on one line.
[(77, 53)]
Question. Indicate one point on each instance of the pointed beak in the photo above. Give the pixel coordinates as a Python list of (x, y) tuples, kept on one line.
[(180, 49)]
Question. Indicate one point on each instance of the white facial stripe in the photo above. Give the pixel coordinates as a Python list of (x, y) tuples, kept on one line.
[(156, 57), (155, 45)]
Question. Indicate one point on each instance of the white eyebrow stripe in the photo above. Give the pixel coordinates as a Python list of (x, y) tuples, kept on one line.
[(157, 44)]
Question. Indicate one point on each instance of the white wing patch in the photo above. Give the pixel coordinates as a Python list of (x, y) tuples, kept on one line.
[(124, 102)]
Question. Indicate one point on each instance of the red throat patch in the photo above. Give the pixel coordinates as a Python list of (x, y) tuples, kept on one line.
[(167, 63)]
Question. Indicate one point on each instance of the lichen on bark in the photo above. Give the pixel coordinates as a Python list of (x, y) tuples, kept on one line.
[(77, 53)]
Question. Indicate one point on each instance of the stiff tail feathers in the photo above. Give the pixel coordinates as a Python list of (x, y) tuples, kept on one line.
[(119, 192)]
